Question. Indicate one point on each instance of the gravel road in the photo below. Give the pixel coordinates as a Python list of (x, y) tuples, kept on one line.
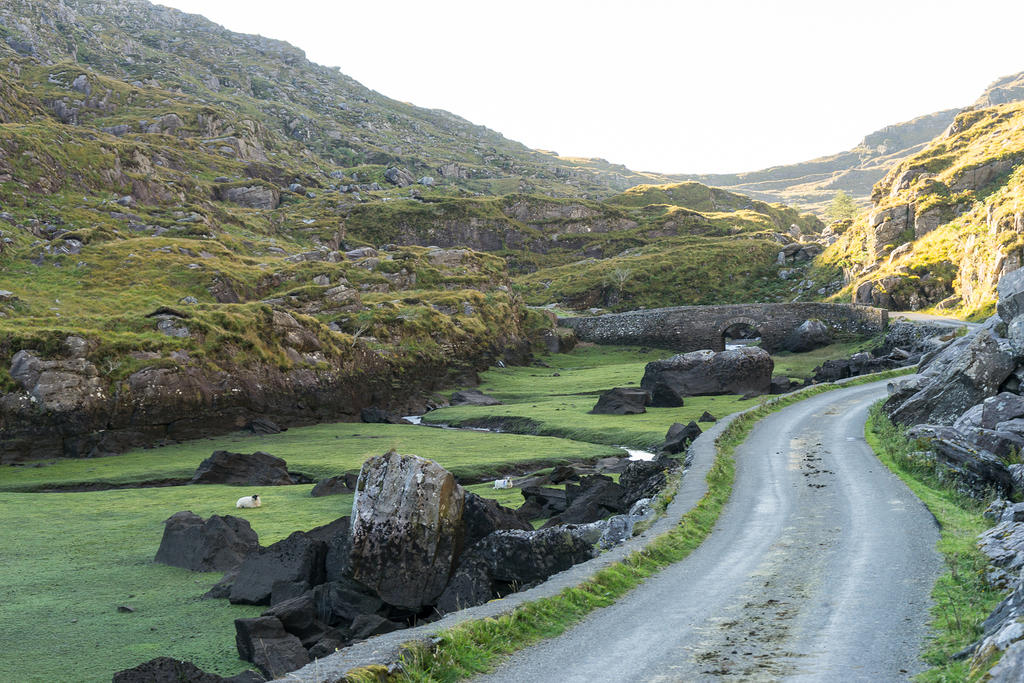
[(819, 569)]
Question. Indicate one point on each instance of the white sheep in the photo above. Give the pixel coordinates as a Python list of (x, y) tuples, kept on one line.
[(252, 501), (505, 483)]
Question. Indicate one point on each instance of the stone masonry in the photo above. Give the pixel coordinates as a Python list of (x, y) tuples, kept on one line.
[(691, 328)]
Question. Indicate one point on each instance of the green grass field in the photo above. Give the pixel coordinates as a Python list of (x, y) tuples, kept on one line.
[(70, 559), (319, 451)]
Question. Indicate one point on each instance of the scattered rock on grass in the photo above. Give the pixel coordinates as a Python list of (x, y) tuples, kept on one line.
[(622, 401), (215, 544)]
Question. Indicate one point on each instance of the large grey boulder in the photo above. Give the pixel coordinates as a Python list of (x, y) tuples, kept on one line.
[(406, 528), (746, 370), (215, 544), (622, 401), (953, 383), (810, 335), (249, 469)]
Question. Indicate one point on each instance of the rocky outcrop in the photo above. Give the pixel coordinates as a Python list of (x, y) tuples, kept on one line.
[(746, 370), (214, 544), (250, 196), (964, 374), (406, 528), (65, 407)]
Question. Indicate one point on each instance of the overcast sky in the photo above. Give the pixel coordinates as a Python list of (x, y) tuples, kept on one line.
[(676, 87)]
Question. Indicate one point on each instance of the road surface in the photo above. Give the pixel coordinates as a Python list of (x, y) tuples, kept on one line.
[(918, 317), (819, 569)]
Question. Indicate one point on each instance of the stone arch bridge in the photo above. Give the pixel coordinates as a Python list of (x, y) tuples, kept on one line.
[(690, 328)]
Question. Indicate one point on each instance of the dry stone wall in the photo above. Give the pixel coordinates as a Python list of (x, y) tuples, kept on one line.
[(691, 328)]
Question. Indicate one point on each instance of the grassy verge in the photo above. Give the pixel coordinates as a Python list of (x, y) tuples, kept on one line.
[(962, 598), (476, 647)]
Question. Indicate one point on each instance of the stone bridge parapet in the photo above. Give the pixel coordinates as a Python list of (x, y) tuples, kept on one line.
[(691, 328)]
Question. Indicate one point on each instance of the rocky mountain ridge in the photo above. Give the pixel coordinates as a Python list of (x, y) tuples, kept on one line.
[(812, 184), (945, 223)]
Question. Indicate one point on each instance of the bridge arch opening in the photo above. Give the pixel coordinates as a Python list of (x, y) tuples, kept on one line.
[(740, 332)]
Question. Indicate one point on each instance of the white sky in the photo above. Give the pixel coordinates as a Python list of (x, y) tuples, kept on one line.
[(677, 87)]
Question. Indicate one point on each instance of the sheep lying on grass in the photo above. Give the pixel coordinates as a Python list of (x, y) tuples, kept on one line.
[(252, 501)]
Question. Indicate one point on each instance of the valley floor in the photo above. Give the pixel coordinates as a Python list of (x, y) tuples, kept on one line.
[(820, 568)]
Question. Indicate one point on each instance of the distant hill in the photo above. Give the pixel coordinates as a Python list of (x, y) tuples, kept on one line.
[(812, 184)]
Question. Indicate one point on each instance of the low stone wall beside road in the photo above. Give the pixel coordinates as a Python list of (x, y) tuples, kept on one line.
[(690, 328)]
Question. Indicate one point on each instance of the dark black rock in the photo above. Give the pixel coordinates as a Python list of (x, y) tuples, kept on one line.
[(283, 591), (644, 478), (299, 618), (338, 603), (332, 641), (332, 486), (296, 558), (264, 642), (622, 401), (707, 417), (594, 498), (780, 384), (679, 437), (470, 585), (168, 670), (856, 365), (542, 502), (250, 469), (216, 544), (336, 561), (222, 589), (511, 560), (473, 397), (263, 426), (482, 516)]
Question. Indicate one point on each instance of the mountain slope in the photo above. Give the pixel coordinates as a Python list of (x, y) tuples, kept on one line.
[(812, 184), (272, 83), (199, 228), (945, 224)]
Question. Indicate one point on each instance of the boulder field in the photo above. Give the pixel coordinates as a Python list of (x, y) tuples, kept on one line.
[(417, 545)]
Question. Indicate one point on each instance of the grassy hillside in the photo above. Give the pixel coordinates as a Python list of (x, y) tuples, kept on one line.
[(945, 224)]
